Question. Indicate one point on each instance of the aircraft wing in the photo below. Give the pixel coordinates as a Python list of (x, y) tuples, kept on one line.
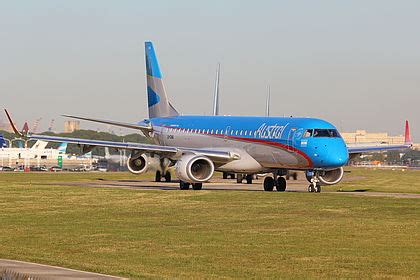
[(169, 151), (144, 127), (366, 148), (358, 149)]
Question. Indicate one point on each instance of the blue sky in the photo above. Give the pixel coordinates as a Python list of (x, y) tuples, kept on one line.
[(353, 63)]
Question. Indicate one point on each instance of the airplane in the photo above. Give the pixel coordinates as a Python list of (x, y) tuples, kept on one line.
[(3, 143), (197, 146)]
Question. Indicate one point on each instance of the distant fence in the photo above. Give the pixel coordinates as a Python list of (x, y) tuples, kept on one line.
[(8, 274)]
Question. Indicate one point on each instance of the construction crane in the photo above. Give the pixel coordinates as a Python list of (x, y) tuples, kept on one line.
[(35, 125), (51, 125)]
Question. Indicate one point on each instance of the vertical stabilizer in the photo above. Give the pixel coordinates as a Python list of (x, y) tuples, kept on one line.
[(216, 93), (3, 143), (25, 128), (407, 137), (62, 148), (107, 154), (39, 145), (158, 103)]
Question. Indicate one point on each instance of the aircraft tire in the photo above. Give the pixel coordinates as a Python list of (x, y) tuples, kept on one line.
[(281, 184), (225, 175), (168, 177), (197, 186), (318, 188), (158, 176), (249, 179), (269, 184), (184, 185), (239, 178), (311, 188)]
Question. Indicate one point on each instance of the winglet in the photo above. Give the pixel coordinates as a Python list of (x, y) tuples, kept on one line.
[(15, 130), (407, 137)]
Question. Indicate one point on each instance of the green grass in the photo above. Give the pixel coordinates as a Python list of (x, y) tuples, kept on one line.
[(206, 234), (379, 180)]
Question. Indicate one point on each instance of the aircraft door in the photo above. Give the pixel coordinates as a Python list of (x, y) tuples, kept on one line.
[(290, 139), (294, 138), (226, 134)]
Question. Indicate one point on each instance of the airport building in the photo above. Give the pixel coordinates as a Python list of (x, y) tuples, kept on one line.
[(70, 126), (362, 137)]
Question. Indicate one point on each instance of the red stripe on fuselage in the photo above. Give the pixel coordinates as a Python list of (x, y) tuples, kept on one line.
[(276, 144), (254, 140)]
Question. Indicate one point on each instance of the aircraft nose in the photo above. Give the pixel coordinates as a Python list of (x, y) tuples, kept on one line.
[(331, 156), (337, 157)]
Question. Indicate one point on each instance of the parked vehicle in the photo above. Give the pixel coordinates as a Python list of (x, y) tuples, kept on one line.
[(6, 168), (56, 169)]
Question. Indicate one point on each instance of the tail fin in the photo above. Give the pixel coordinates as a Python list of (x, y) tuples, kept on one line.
[(40, 145), (107, 155), (25, 128), (62, 148), (407, 137), (159, 105), (3, 143)]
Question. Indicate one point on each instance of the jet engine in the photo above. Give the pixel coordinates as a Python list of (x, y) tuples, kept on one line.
[(140, 163), (327, 177), (194, 168)]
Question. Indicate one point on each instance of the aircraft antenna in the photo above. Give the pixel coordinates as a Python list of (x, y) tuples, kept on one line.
[(267, 105), (216, 92)]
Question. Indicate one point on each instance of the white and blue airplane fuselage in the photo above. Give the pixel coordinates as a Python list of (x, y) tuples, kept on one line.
[(267, 142)]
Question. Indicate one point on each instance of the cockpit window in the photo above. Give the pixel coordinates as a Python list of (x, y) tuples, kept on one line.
[(308, 133), (326, 133)]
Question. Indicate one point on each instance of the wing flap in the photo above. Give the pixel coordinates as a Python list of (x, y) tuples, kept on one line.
[(171, 152)]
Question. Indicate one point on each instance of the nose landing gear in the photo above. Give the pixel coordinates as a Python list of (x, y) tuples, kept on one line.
[(315, 185)]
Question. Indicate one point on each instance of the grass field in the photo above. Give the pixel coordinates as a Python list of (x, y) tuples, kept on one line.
[(380, 180), (211, 234)]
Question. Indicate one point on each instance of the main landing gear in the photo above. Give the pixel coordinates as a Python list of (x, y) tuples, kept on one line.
[(158, 176), (247, 177), (270, 183)]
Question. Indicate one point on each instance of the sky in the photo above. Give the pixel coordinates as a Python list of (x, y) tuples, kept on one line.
[(355, 64)]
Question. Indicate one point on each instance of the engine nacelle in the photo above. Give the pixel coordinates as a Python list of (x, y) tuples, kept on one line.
[(194, 168), (327, 177), (141, 163)]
